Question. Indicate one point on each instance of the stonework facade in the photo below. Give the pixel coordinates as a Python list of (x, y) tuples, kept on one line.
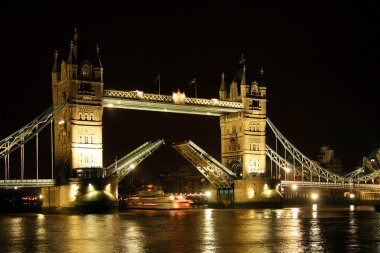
[(243, 133), (78, 128)]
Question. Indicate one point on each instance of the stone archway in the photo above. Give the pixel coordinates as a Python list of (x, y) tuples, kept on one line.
[(237, 169)]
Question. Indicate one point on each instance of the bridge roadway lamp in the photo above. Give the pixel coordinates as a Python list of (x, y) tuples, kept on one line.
[(61, 122), (294, 187)]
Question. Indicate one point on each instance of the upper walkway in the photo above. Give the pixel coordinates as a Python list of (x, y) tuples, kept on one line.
[(177, 103)]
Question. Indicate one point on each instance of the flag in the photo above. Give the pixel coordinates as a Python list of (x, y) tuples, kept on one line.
[(157, 79), (194, 81)]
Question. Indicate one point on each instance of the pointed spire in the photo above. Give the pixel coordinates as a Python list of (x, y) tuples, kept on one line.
[(98, 54), (242, 60), (222, 84), (71, 54), (262, 77), (243, 81), (76, 50), (76, 35), (55, 66)]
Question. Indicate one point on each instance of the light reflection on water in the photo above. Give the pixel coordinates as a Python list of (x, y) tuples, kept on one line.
[(296, 229)]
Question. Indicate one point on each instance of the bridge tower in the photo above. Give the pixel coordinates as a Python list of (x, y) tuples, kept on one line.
[(78, 141), (243, 133)]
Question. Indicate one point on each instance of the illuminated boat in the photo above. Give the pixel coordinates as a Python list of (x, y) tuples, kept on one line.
[(156, 199)]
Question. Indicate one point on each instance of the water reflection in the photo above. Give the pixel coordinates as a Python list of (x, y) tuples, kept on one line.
[(208, 235), (315, 238), (298, 229), (133, 237), (315, 211)]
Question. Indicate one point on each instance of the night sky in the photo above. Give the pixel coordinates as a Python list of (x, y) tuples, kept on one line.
[(321, 67)]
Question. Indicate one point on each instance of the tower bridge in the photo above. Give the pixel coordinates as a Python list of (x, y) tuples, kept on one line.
[(249, 171)]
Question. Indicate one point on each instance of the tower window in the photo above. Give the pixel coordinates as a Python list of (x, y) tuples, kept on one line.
[(254, 104), (254, 128), (86, 70)]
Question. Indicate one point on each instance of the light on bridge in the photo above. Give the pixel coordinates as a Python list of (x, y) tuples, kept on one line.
[(90, 188), (314, 196), (40, 196), (110, 105), (61, 122), (208, 194), (140, 94), (178, 97), (16, 187), (287, 170), (132, 166), (73, 192), (251, 193), (294, 187), (352, 195)]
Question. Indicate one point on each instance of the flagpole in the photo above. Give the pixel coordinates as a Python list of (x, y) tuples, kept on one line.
[(195, 85), (159, 85)]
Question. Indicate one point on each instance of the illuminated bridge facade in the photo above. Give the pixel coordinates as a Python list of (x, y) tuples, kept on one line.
[(248, 163)]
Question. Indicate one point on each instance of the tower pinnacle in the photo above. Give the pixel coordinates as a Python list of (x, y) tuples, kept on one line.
[(71, 54), (55, 66), (243, 81)]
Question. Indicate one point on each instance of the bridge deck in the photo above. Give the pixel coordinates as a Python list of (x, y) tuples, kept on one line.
[(372, 187), (137, 100), (26, 183)]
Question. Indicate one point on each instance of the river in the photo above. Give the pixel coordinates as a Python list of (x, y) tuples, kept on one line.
[(291, 229)]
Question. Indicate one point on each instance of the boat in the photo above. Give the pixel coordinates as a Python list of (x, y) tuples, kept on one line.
[(154, 198)]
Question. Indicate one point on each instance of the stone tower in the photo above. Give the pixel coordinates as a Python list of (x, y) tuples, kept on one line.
[(243, 134), (78, 141)]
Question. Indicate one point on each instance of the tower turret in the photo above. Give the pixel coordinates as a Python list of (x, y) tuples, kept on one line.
[(223, 89), (55, 70), (244, 88), (243, 134)]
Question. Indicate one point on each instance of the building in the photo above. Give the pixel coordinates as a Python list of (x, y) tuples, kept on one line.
[(327, 160)]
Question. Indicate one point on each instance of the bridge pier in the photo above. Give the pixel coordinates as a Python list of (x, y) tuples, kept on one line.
[(260, 192), (81, 195)]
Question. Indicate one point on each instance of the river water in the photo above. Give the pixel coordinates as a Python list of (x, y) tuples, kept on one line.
[(291, 229)]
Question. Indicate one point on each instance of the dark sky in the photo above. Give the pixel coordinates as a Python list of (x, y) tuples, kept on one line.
[(321, 67)]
